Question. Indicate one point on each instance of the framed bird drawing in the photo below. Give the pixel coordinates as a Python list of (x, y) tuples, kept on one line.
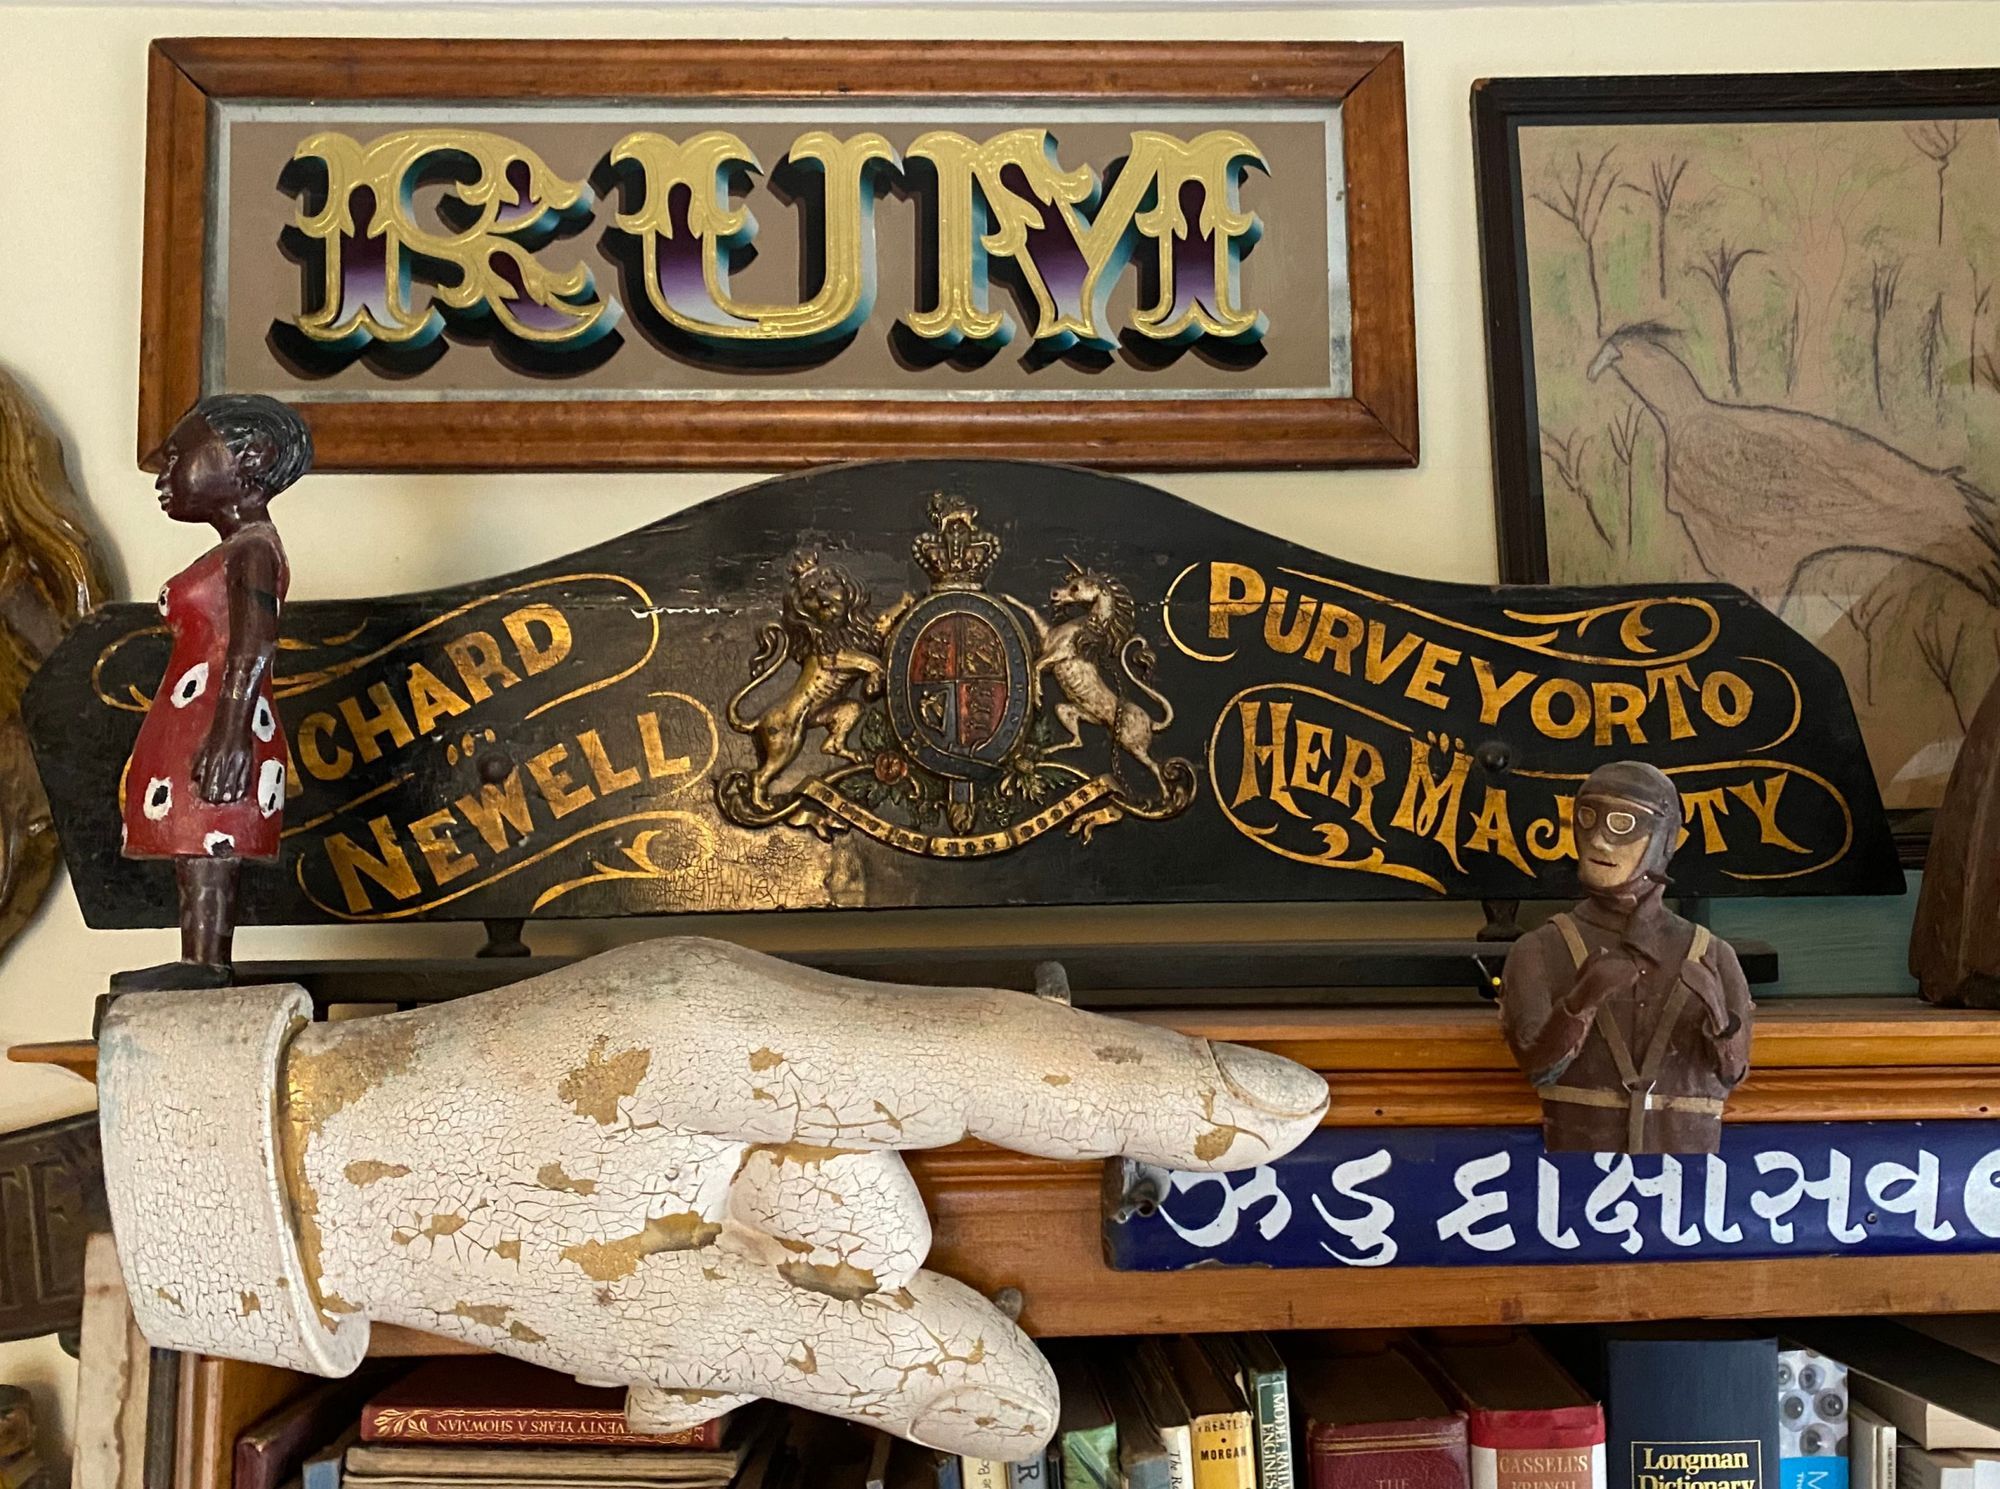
[(1745, 328)]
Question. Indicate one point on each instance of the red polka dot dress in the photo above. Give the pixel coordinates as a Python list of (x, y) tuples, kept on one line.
[(165, 816)]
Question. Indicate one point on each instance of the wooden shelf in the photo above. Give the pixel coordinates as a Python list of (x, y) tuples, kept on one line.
[(1792, 1033)]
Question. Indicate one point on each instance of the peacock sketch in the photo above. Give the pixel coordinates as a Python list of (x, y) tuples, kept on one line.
[(1769, 353)]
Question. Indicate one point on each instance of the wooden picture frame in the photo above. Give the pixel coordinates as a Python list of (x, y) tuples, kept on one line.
[(191, 80), (1734, 301)]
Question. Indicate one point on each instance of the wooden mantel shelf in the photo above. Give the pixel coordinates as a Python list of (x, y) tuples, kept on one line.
[(1790, 1032), (1813, 1059), (1001, 1220)]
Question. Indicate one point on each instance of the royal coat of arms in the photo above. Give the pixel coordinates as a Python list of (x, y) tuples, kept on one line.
[(962, 718)]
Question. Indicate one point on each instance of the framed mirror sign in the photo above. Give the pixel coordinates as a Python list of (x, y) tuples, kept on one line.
[(598, 254)]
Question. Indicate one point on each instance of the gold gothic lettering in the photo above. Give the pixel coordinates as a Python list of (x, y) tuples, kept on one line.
[(368, 239), (386, 273)]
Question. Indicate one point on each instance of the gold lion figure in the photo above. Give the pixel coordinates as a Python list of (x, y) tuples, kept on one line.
[(829, 631)]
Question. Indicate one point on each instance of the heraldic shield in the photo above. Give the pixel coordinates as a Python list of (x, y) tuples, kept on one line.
[(952, 713)]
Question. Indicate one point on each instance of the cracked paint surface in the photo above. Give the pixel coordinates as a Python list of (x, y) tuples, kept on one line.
[(188, 1104), (670, 1167)]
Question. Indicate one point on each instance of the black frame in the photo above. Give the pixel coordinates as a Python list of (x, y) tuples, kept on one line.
[(1500, 106)]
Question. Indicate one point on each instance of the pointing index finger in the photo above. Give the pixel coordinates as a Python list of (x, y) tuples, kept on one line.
[(708, 1037), (1061, 1083)]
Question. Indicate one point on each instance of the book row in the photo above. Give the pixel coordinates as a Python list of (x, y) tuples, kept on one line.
[(1913, 1404)]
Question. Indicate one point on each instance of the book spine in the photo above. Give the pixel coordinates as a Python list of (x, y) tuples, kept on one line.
[(1537, 1468), (1888, 1448), (1555, 1448), (1812, 1471), (1273, 1400), (1813, 1419), (1225, 1454), (1692, 1413), (1180, 1455), (1090, 1459), (516, 1428), (982, 1473), (1435, 1462), (1033, 1474), (1921, 1468)]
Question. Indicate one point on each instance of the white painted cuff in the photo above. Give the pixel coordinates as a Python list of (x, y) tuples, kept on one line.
[(188, 1107)]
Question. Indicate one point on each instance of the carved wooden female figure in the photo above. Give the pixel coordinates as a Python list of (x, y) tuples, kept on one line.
[(206, 783)]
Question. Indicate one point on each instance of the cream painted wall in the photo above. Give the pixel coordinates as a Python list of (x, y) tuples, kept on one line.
[(72, 115)]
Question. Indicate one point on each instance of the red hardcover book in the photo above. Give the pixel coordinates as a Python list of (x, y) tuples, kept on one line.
[(1529, 1425), (493, 1399), (1373, 1420)]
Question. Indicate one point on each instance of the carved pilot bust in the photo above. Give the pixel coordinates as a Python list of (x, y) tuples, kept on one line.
[(1632, 1022)]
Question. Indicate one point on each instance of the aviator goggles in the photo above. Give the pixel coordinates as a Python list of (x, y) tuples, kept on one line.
[(1619, 822)]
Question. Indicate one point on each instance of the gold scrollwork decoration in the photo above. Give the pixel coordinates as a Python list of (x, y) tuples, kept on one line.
[(641, 865), (50, 577), (1631, 615)]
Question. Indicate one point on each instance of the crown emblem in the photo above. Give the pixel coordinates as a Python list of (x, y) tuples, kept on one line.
[(960, 553)]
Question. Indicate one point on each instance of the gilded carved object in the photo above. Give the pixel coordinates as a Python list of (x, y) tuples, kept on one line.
[(670, 1167), (50, 575), (978, 683)]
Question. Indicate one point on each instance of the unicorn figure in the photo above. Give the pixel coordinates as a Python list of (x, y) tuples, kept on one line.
[(1093, 651)]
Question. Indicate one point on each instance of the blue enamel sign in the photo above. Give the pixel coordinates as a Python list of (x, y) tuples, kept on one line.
[(1487, 1196)]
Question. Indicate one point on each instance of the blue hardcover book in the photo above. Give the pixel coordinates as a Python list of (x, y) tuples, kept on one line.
[(1691, 1412), (322, 1470)]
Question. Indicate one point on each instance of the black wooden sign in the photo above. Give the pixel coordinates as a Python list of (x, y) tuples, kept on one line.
[(981, 683), (51, 1199)]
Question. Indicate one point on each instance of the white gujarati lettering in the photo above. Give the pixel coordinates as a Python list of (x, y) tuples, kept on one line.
[(1982, 1195), (1715, 1203), (1834, 1191), (1462, 1223), (1665, 1186), (1607, 1211), (1368, 1232), (1239, 1193), (1263, 1184), (1548, 1208), (1901, 1190)]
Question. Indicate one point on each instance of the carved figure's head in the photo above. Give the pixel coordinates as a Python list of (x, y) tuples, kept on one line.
[(1627, 820), (823, 597), (229, 455), (1104, 598)]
